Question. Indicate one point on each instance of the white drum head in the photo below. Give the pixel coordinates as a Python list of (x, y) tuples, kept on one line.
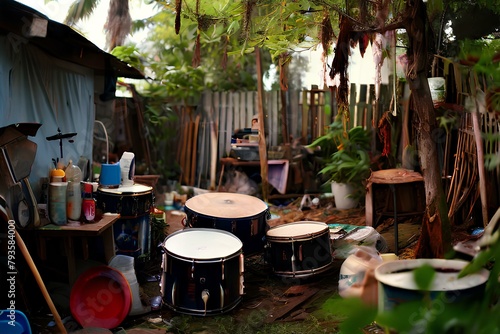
[(133, 189), (226, 205), (202, 244), (297, 229)]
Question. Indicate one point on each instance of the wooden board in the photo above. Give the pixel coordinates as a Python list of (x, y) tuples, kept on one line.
[(295, 296)]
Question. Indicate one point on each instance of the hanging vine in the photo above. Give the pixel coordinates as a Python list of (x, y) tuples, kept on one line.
[(178, 9)]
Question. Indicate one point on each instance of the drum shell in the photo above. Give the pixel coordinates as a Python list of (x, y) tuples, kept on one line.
[(242, 215), (127, 204), (301, 255), (184, 279), (133, 235)]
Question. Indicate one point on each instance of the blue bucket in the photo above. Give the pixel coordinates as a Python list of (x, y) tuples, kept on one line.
[(14, 322)]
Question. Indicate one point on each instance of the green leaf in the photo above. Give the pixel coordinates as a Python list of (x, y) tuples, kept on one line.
[(424, 275)]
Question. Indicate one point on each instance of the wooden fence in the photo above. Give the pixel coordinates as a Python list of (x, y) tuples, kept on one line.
[(220, 114)]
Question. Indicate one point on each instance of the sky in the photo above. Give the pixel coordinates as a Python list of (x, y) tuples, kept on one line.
[(92, 28)]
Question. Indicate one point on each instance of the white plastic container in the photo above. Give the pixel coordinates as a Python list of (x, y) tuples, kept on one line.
[(357, 277), (127, 168), (125, 264)]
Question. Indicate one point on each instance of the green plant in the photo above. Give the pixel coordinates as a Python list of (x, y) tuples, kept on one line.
[(345, 158), (443, 314)]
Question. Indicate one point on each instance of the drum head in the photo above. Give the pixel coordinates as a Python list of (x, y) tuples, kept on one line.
[(226, 205), (133, 189), (297, 229), (202, 244)]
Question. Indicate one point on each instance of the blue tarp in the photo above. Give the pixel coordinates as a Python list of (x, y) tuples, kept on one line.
[(36, 87)]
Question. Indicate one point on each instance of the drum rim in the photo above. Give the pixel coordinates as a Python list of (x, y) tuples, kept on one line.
[(205, 260), (300, 236), (190, 311), (256, 216), (304, 273), (114, 192)]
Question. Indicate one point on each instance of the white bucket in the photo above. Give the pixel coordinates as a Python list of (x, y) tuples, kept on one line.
[(125, 264), (437, 85)]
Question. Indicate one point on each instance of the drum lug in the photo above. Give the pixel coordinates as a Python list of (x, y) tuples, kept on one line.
[(205, 295), (135, 207), (174, 290), (254, 227), (233, 226), (164, 263), (222, 269), (192, 270), (119, 205), (242, 276), (221, 291)]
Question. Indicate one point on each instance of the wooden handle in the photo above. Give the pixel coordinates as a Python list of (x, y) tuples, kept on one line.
[(38, 278)]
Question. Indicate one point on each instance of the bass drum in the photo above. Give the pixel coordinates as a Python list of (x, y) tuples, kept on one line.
[(243, 215), (299, 249), (132, 231), (202, 271)]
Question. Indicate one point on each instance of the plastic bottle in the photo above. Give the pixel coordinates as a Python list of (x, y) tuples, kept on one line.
[(74, 192), (88, 203)]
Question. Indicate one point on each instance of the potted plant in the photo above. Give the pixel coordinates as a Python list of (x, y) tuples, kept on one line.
[(346, 162)]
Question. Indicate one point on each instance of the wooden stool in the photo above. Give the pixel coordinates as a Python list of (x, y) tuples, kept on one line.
[(390, 177)]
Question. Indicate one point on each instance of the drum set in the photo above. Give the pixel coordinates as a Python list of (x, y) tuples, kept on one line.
[(203, 264)]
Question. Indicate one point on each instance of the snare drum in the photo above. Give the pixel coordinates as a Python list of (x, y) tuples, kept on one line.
[(243, 215), (202, 271), (299, 249), (132, 231)]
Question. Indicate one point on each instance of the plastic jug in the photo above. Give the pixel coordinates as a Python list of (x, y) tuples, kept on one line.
[(74, 192)]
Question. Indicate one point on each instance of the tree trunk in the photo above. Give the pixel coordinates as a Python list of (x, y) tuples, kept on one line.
[(435, 238)]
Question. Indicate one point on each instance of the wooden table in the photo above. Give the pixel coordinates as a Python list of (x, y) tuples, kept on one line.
[(101, 228)]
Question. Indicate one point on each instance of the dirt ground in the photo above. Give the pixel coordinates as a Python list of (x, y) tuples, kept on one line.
[(270, 303)]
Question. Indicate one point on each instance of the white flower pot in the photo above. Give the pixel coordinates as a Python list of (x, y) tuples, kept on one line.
[(342, 193)]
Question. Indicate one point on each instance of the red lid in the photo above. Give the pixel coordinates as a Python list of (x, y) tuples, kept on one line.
[(87, 188), (101, 297)]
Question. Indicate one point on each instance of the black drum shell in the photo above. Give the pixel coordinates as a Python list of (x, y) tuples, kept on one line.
[(302, 254), (184, 279)]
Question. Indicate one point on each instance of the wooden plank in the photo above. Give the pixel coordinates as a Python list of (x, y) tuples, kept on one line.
[(236, 112), (250, 106), (292, 302), (194, 150), (230, 125), (305, 115), (294, 114), (272, 112), (361, 105), (352, 104), (222, 124), (187, 161)]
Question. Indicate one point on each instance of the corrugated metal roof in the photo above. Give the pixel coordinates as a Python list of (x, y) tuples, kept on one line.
[(60, 41)]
